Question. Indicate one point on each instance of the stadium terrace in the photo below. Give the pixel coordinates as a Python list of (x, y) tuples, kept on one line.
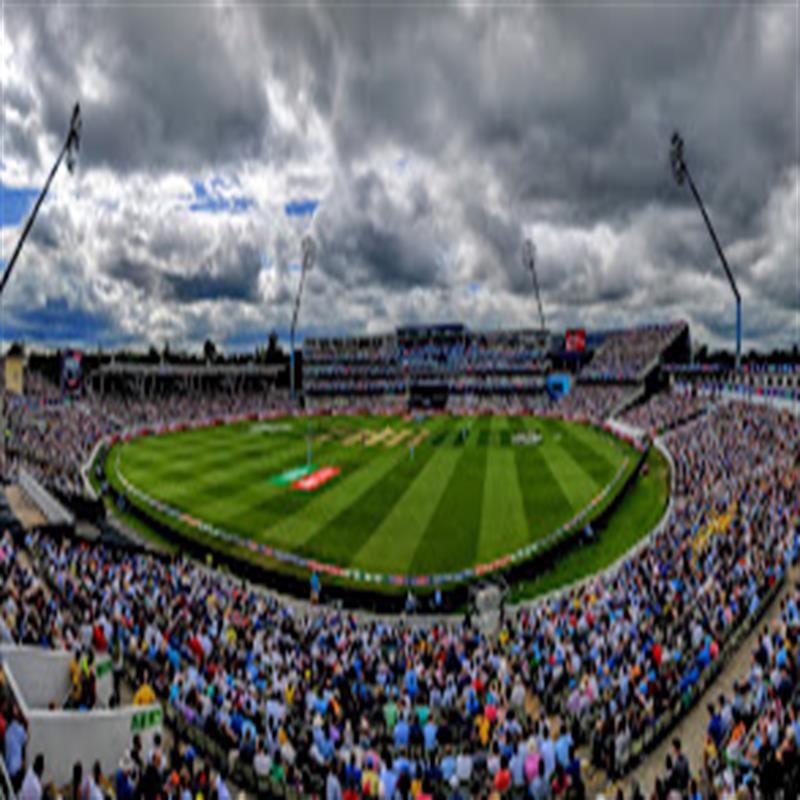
[(568, 692)]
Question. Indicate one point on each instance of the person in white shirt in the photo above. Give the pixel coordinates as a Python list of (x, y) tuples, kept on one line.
[(261, 761), (464, 768), (91, 786), (32, 785), (222, 789)]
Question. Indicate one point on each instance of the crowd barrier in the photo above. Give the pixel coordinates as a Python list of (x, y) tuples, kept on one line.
[(6, 789), (37, 681), (67, 737), (43, 676)]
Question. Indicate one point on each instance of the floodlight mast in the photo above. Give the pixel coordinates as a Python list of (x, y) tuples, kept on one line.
[(69, 149), (680, 172), (309, 255), (529, 261)]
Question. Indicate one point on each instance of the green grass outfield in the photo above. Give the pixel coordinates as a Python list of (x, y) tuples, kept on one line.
[(638, 512), (468, 496)]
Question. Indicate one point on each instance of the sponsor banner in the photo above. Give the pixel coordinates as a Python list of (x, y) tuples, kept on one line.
[(290, 476), (312, 482)]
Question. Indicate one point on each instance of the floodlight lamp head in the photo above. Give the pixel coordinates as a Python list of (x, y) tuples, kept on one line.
[(74, 137), (309, 247), (676, 158)]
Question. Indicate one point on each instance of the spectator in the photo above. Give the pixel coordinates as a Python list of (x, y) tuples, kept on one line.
[(32, 785)]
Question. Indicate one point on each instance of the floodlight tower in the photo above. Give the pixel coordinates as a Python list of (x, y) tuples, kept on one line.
[(309, 255), (529, 262), (680, 171), (69, 149)]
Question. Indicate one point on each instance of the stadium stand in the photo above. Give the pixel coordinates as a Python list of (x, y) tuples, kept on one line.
[(429, 366), (628, 354), (752, 738), (318, 701), (667, 410)]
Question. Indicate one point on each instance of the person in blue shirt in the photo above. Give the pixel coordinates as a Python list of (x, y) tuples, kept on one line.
[(715, 727), (123, 784), (401, 733), (315, 587), (411, 682), (449, 763), (388, 777), (15, 741), (429, 734), (563, 747)]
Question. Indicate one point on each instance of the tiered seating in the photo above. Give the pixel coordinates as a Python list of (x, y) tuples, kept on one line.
[(752, 737), (665, 410), (594, 401), (52, 438), (298, 700), (625, 353)]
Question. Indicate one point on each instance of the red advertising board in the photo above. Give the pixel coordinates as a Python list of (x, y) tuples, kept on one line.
[(315, 479), (575, 340)]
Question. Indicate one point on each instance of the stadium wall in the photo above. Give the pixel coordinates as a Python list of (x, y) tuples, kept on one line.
[(43, 676), (39, 677)]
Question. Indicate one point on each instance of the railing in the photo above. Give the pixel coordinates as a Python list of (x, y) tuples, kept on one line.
[(53, 511), (6, 789)]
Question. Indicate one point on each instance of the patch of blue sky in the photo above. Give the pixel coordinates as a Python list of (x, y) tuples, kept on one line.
[(15, 203), (211, 199), (301, 208)]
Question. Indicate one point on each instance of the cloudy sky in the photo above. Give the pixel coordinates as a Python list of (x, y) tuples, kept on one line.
[(419, 146)]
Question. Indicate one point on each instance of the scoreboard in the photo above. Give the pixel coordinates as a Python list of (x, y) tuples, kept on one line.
[(71, 372)]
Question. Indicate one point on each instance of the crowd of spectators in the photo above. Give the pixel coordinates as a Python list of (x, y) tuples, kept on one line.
[(666, 410), (52, 436), (593, 401), (52, 440), (753, 736), (323, 699), (463, 362), (625, 353)]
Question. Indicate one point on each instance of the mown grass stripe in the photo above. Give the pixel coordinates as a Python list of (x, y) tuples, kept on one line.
[(546, 505), (308, 514), (577, 484), (503, 525), (406, 522), (196, 462), (593, 461), (450, 540), (344, 536), (280, 509), (197, 480)]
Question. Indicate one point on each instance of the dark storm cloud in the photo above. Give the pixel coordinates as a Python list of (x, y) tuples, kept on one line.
[(368, 237), (435, 139), (176, 92), (230, 275)]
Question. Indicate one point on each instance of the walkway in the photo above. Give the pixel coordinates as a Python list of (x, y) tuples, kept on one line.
[(691, 730)]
